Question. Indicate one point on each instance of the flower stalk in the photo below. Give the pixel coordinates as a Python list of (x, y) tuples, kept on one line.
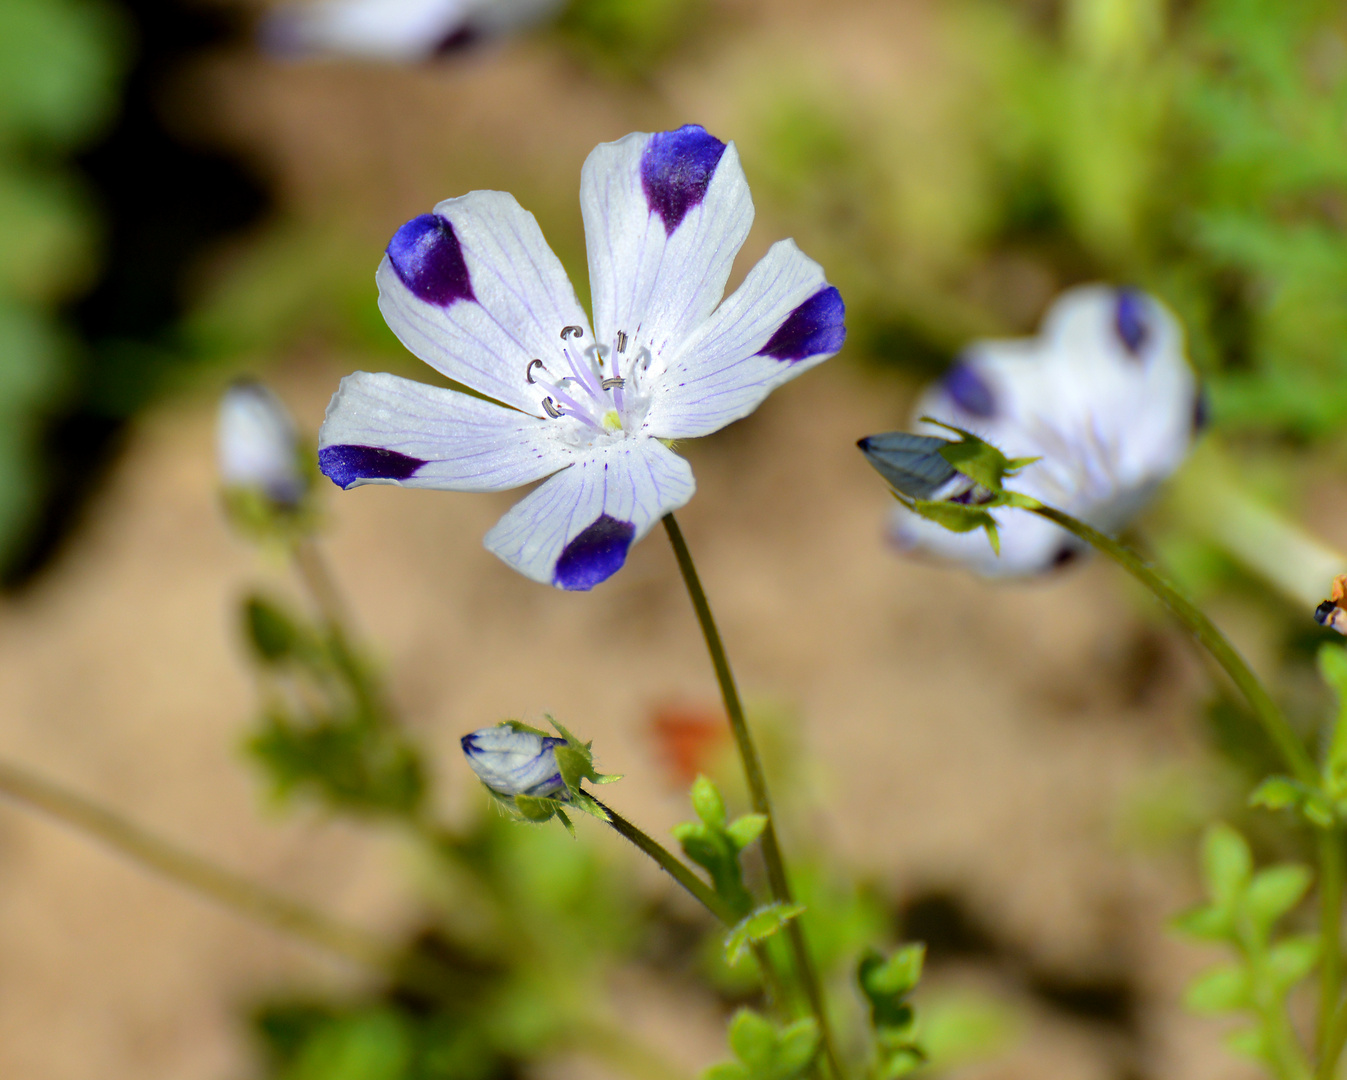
[(1269, 716), (777, 879)]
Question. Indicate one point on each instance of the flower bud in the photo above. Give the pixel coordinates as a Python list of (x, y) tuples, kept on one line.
[(511, 761), (258, 446)]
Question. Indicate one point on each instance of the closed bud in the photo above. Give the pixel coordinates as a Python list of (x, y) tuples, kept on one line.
[(258, 445), (512, 761)]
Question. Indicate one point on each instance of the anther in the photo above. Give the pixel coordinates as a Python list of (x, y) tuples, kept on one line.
[(613, 384), (572, 331), (550, 409), (528, 371), (621, 341)]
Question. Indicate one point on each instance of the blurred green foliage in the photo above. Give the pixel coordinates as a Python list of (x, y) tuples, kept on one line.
[(1196, 150), (60, 65)]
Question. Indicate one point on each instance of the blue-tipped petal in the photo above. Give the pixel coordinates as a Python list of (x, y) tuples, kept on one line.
[(346, 465), (1129, 319), (969, 390), (427, 257), (595, 555), (676, 170), (813, 328)]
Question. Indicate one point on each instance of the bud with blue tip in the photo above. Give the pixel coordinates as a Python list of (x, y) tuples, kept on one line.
[(533, 773)]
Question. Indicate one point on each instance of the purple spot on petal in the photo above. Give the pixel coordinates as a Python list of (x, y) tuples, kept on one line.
[(348, 464), (1201, 411), (595, 555), (460, 39), (1129, 319), (812, 328), (969, 390), (676, 170), (427, 257)]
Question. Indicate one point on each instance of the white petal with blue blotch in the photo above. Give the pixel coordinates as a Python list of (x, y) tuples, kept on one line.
[(475, 292), (406, 31), (783, 320), (664, 215), (1103, 396), (575, 530), (384, 429)]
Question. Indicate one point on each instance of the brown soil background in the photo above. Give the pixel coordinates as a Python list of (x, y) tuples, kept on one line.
[(976, 741)]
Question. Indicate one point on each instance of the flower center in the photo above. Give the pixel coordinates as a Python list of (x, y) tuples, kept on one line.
[(597, 385)]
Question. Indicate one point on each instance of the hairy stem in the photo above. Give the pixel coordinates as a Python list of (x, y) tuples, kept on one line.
[(757, 786), (1274, 724), (671, 865)]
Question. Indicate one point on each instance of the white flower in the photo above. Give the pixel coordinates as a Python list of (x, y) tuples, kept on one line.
[(397, 30), (474, 290), (1104, 395), (257, 445), (514, 762)]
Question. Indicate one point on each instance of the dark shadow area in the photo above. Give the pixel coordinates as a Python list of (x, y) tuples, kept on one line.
[(163, 201)]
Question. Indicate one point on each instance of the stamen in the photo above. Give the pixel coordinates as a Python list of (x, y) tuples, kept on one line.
[(613, 384), (528, 371), (550, 409), (572, 331), (622, 341)]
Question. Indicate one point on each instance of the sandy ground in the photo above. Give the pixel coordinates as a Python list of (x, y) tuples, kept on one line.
[(971, 742)]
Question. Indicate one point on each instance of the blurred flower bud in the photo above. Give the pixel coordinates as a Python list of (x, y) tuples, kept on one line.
[(258, 446), (1103, 397), (512, 761), (406, 31)]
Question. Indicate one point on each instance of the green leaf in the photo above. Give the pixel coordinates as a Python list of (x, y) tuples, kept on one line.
[(707, 802), (744, 830), (758, 926), (1284, 793), (896, 976), (1291, 959), (1222, 989), (1249, 1042), (766, 1052), (1273, 892), (901, 1062), (1227, 864), (1209, 922)]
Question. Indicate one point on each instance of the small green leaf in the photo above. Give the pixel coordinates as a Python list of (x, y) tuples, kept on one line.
[(707, 802), (273, 635), (1291, 959), (1273, 892), (744, 830), (1249, 1042), (1209, 922), (1222, 989), (1227, 863), (901, 1062), (796, 1048), (752, 1038), (895, 976), (1283, 793), (758, 926)]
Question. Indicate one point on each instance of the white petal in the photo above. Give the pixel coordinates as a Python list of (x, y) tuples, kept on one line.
[(399, 30), (257, 444), (384, 429), (665, 215), (575, 530), (783, 320), (476, 293)]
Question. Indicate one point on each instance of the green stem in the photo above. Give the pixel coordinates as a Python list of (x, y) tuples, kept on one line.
[(671, 865), (698, 889), (280, 913), (1293, 752), (231, 890), (1334, 1038), (1330, 931), (757, 786)]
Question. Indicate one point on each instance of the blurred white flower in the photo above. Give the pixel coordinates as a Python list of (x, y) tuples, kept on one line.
[(1104, 396), (406, 31), (513, 762), (257, 444)]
